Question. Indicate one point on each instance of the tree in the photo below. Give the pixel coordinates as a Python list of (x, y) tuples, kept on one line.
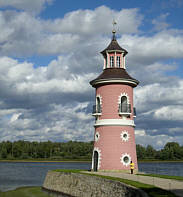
[(173, 149), (141, 151), (4, 152), (150, 152)]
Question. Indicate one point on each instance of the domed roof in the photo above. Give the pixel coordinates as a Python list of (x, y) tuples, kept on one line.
[(114, 46)]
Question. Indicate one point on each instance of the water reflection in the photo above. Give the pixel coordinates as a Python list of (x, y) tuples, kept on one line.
[(13, 175)]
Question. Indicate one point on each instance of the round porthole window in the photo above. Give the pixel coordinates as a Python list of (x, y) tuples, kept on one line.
[(125, 136), (125, 159), (97, 136)]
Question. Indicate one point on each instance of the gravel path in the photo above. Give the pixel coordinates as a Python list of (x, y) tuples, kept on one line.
[(168, 184)]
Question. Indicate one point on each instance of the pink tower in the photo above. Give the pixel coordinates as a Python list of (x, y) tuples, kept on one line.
[(114, 138)]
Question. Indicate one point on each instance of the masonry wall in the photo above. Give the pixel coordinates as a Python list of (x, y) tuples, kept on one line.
[(81, 185)]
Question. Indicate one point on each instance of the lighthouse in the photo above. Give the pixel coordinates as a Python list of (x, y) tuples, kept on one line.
[(114, 137)]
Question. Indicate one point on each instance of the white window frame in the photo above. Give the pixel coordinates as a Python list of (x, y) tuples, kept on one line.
[(111, 61), (118, 61)]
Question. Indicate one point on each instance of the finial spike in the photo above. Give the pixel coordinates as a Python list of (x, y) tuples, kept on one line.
[(114, 23), (114, 31)]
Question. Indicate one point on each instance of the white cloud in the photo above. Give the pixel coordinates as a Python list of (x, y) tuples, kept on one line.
[(160, 22), (157, 95), (81, 29), (157, 141), (45, 102), (140, 132), (23, 79), (33, 6), (14, 72), (171, 112), (58, 43), (18, 37), (148, 50), (50, 124), (93, 22)]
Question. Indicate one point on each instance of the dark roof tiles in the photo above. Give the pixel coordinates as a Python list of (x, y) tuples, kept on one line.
[(114, 46), (114, 73)]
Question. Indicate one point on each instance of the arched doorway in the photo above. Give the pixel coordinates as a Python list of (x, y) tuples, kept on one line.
[(95, 161)]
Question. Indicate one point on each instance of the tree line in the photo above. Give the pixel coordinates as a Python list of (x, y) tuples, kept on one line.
[(171, 151), (73, 150), (46, 150)]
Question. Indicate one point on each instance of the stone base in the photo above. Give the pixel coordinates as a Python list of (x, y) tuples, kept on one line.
[(81, 185)]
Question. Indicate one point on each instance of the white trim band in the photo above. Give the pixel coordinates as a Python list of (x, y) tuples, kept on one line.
[(105, 81), (114, 122)]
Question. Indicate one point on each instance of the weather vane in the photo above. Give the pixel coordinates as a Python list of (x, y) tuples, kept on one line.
[(114, 23)]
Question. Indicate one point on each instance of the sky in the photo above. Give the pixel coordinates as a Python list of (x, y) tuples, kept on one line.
[(50, 50)]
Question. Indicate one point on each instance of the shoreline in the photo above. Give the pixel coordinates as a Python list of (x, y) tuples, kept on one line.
[(84, 161), (158, 161), (44, 161)]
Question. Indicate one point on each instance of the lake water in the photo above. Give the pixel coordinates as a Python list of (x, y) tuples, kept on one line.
[(18, 174)]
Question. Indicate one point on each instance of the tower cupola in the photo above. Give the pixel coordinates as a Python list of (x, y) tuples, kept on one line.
[(114, 54), (114, 69)]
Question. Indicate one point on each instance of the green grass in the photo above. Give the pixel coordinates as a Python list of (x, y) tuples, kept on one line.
[(151, 190), (25, 192), (178, 178), (68, 170)]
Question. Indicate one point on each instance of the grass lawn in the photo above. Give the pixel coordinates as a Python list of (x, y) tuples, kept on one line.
[(25, 192), (151, 190), (178, 178)]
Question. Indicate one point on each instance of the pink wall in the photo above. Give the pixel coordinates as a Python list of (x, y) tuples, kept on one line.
[(112, 147), (110, 143), (110, 97)]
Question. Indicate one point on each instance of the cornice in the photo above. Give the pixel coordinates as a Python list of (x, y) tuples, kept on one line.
[(114, 122), (113, 80)]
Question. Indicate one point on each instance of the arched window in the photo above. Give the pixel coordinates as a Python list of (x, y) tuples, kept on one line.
[(118, 61), (111, 61), (124, 104), (98, 105)]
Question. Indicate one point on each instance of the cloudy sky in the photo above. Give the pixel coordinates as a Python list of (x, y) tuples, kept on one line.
[(49, 51)]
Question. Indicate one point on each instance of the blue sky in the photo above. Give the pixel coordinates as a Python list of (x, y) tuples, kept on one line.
[(49, 51)]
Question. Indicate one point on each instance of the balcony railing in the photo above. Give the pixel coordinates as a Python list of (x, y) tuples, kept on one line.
[(96, 110), (125, 109)]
